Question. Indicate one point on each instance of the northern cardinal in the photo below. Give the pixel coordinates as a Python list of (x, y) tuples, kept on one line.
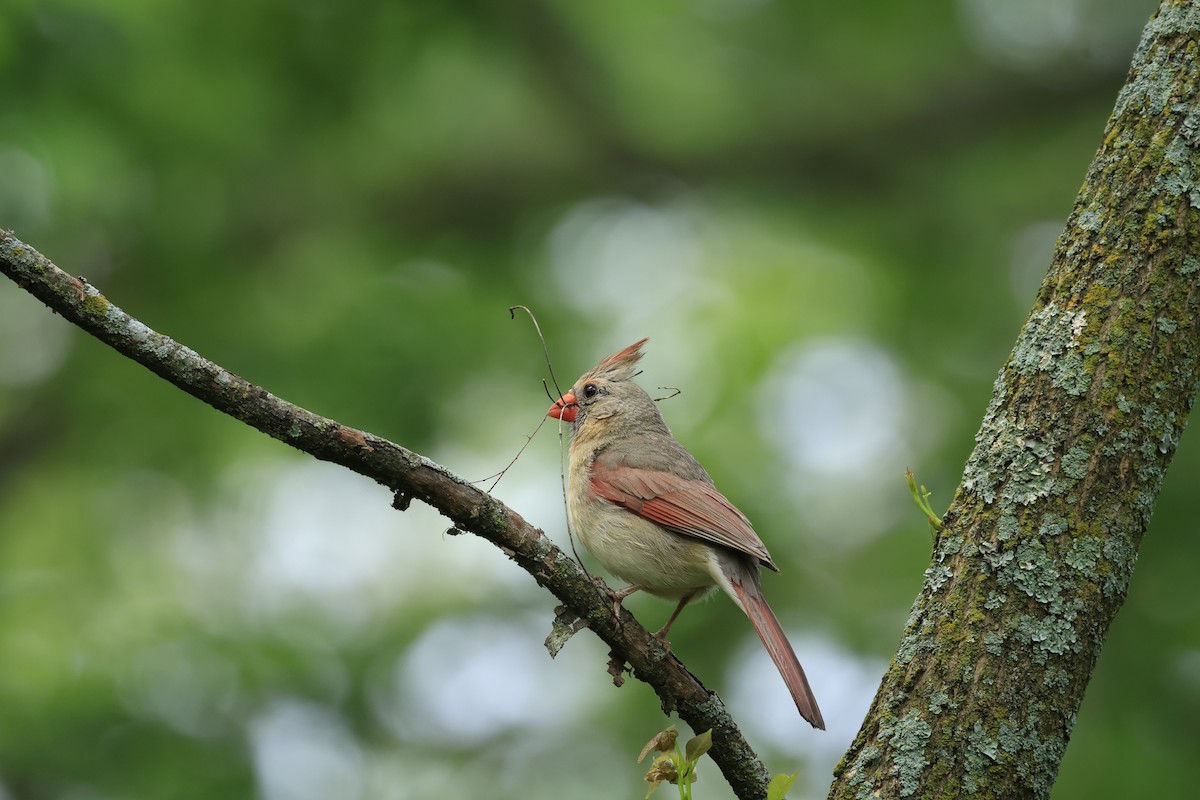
[(646, 509)]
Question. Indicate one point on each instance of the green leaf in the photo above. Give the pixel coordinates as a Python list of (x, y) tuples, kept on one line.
[(698, 746), (779, 785)]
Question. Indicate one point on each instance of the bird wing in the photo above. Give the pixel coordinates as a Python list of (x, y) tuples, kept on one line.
[(688, 507)]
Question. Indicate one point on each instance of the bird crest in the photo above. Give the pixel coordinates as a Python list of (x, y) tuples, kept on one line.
[(620, 366)]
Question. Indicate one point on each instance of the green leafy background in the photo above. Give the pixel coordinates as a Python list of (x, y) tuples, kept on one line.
[(829, 218)]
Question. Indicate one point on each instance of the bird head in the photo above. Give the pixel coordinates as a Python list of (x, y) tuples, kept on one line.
[(605, 390)]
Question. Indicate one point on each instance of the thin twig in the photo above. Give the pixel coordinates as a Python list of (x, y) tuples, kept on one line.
[(512, 310), (562, 468), (409, 475), (562, 476), (508, 466)]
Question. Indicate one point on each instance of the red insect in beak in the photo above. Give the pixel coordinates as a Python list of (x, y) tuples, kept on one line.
[(564, 408)]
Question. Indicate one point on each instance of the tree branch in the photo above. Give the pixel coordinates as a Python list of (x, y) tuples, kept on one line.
[(410, 475), (1035, 556)]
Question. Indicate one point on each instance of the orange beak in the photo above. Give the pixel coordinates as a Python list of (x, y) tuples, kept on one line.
[(564, 408)]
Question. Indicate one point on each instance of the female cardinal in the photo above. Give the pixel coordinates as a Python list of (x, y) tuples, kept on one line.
[(647, 510)]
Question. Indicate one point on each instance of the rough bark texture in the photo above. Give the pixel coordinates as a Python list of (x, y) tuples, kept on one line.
[(410, 475), (1041, 539)]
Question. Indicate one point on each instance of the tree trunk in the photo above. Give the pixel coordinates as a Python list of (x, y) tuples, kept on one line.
[(1040, 541)]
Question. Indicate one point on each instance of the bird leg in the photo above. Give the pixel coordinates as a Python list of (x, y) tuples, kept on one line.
[(662, 632), (619, 596)]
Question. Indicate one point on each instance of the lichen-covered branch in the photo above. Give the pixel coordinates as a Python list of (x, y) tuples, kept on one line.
[(409, 475), (1041, 539)]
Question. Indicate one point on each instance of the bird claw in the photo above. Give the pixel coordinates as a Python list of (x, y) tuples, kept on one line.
[(616, 595)]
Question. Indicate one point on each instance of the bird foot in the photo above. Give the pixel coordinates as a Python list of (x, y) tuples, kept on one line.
[(616, 595)]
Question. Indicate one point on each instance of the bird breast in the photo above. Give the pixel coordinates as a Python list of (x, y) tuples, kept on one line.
[(633, 548)]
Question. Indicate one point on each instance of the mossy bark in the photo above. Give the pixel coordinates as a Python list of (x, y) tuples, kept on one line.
[(1041, 538)]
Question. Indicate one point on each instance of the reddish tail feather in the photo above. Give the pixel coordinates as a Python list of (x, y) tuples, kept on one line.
[(773, 638)]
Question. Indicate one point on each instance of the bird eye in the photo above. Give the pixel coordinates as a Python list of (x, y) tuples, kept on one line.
[(590, 390)]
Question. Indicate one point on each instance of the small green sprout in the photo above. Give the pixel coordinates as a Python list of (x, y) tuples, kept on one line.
[(921, 498), (678, 766), (779, 785), (675, 765)]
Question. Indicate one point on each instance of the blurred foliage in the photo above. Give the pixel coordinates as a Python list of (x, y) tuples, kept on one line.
[(831, 220)]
